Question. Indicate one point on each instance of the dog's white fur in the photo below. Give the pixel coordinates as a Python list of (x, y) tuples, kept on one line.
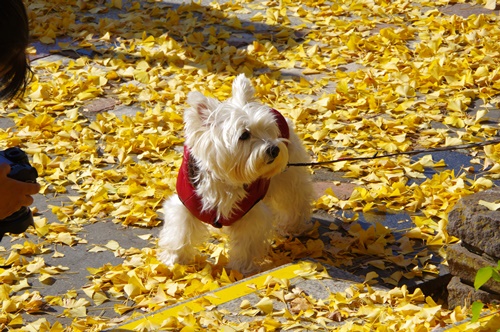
[(227, 163)]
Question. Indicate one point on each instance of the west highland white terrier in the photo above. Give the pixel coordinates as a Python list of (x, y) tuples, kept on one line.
[(234, 176)]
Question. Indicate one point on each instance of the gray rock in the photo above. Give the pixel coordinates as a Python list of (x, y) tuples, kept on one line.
[(475, 224), (460, 294), (465, 264)]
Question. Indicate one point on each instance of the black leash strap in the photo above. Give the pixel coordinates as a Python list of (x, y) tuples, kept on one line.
[(377, 155)]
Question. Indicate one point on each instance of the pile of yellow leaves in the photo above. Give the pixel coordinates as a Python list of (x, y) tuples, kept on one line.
[(417, 72)]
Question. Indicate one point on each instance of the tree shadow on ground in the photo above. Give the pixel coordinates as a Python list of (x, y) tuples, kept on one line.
[(210, 37)]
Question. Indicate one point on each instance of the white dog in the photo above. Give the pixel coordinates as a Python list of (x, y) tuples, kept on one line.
[(234, 176)]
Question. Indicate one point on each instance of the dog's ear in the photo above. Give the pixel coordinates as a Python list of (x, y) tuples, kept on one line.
[(243, 91), (202, 105)]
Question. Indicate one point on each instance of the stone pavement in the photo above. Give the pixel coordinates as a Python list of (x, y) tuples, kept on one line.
[(78, 259)]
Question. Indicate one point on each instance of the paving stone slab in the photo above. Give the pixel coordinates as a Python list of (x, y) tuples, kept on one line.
[(99, 105), (465, 264), (461, 294), (465, 10), (77, 259)]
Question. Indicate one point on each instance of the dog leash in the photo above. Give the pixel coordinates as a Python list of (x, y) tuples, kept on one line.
[(387, 155)]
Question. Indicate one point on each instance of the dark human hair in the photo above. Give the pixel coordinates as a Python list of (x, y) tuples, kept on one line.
[(15, 71)]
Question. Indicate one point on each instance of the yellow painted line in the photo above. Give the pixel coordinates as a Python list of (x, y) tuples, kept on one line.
[(216, 297)]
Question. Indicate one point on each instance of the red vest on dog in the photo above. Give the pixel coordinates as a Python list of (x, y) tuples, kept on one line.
[(255, 191)]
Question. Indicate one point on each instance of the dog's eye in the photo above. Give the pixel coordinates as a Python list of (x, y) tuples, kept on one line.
[(245, 135)]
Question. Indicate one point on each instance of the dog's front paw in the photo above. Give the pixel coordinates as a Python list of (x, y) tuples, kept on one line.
[(172, 257)]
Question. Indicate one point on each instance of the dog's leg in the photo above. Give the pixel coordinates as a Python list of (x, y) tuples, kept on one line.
[(180, 235), (290, 194), (249, 239)]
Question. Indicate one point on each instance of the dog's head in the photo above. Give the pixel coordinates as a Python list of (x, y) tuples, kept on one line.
[(238, 139)]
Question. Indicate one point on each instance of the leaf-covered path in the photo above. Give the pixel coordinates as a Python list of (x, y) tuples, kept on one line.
[(102, 122)]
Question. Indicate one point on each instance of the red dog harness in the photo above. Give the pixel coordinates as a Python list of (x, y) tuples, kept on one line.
[(256, 191)]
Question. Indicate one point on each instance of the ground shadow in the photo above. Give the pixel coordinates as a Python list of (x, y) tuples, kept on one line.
[(206, 28)]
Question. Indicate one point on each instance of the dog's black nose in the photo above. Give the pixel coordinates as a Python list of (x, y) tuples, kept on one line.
[(273, 151)]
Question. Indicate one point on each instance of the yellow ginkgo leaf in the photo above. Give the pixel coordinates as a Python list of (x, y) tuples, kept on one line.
[(265, 305), (492, 206), (490, 4)]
